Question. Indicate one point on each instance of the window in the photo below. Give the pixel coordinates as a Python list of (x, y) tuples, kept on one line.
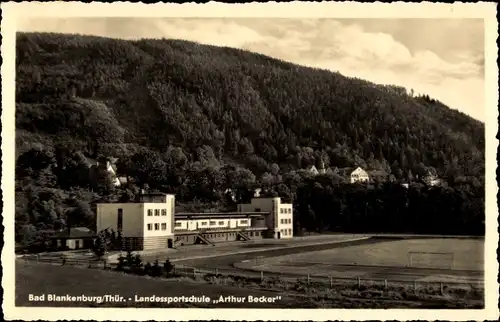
[(257, 209), (157, 226), (289, 231), (203, 223), (157, 212), (163, 226), (244, 222), (150, 212), (282, 221), (150, 227), (221, 223), (289, 210), (178, 224), (119, 221), (164, 212), (281, 210), (212, 223)]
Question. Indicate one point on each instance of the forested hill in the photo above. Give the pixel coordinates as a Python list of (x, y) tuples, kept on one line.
[(115, 97)]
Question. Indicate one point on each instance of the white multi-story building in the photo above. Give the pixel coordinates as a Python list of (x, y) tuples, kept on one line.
[(151, 222), (359, 175), (280, 219), (146, 224)]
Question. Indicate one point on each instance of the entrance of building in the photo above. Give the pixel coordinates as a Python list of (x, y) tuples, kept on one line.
[(170, 243), (279, 235)]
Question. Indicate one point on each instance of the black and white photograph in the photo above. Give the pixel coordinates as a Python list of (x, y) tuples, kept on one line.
[(198, 158)]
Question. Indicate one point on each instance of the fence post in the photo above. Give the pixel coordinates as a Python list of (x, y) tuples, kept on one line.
[(441, 287), (216, 272), (194, 272), (359, 282), (261, 276), (385, 283), (308, 279), (415, 285), (331, 281)]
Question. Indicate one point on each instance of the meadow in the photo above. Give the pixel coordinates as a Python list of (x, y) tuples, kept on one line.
[(36, 278), (468, 254)]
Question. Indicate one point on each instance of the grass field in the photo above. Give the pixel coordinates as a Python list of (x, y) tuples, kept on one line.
[(35, 278), (468, 254), (385, 260)]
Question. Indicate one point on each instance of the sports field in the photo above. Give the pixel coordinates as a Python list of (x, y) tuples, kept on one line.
[(460, 260)]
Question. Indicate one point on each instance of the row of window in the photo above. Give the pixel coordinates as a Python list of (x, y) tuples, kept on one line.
[(286, 232), (157, 212), (219, 235), (214, 223), (286, 210), (157, 226), (286, 221)]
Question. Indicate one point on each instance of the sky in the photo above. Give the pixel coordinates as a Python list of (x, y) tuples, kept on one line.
[(443, 58)]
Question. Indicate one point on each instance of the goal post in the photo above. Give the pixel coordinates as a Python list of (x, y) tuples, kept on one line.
[(439, 260)]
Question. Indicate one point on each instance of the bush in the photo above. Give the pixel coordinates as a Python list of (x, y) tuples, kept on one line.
[(168, 267)]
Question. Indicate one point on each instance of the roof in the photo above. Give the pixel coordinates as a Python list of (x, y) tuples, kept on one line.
[(207, 215), (76, 232)]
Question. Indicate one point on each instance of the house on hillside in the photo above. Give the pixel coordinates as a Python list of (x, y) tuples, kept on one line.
[(359, 175), (321, 170), (109, 165), (313, 170), (73, 238)]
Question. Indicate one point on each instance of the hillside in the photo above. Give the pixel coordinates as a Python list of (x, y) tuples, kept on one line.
[(186, 117)]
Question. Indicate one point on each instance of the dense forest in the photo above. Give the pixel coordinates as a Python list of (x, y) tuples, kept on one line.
[(196, 120)]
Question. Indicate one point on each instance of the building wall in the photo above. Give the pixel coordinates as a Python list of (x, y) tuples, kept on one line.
[(158, 219), (278, 212), (133, 218), (217, 237), (359, 175), (212, 223), (285, 221), (83, 243)]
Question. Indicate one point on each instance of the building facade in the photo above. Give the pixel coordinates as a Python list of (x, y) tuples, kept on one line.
[(279, 222), (145, 224), (151, 222), (359, 175)]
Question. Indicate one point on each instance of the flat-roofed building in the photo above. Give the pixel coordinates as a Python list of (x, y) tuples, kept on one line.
[(279, 222), (147, 223), (151, 222)]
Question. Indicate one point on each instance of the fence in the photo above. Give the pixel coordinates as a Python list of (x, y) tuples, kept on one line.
[(274, 278), (81, 262), (327, 281)]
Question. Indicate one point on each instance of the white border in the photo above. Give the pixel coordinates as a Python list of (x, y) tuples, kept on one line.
[(12, 12)]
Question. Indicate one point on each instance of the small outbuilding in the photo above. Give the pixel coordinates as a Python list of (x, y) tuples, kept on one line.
[(74, 238)]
